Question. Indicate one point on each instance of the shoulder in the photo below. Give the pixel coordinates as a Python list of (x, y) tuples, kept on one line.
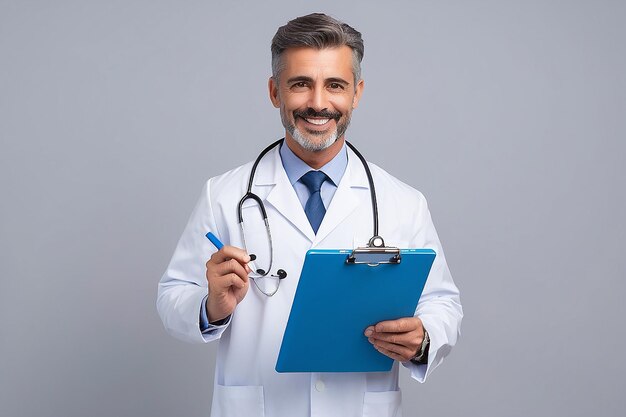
[(236, 178), (403, 210), (221, 195), (390, 188)]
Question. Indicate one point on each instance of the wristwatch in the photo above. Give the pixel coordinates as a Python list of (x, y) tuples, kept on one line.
[(421, 357)]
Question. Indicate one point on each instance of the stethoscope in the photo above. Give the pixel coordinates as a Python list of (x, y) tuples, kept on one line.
[(375, 241)]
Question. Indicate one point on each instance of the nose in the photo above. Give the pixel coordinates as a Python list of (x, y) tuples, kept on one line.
[(318, 100)]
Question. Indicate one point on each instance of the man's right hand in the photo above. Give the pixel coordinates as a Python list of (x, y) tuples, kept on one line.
[(227, 274)]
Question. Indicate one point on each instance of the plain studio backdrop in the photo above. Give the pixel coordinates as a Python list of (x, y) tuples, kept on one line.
[(510, 116)]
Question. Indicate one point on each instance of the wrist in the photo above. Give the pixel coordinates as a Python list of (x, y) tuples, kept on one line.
[(220, 322), (213, 316), (421, 357)]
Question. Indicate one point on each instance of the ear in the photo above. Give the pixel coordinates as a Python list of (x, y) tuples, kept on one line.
[(357, 94), (272, 86)]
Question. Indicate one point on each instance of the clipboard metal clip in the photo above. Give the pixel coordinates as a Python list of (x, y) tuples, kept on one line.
[(375, 253)]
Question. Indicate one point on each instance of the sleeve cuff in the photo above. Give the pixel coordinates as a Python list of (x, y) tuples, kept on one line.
[(204, 319), (211, 329), (422, 368)]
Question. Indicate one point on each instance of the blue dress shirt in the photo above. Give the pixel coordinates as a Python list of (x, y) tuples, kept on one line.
[(295, 169)]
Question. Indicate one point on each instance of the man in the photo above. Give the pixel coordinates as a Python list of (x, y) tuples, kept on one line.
[(316, 195)]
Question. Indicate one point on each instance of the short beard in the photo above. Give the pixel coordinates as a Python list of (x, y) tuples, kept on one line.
[(310, 145)]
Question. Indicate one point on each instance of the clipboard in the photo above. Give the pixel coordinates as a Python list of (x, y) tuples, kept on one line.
[(338, 296)]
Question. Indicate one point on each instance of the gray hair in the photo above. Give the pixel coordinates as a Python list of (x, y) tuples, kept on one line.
[(318, 31)]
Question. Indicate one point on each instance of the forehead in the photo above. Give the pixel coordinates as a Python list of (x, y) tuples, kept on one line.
[(311, 62)]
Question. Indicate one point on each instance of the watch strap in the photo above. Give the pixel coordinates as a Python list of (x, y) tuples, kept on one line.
[(421, 357)]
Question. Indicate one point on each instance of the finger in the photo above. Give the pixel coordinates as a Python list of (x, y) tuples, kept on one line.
[(218, 259), (408, 339), (232, 266), (221, 284), (236, 281), (390, 354), (230, 252), (401, 351), (405, 324)]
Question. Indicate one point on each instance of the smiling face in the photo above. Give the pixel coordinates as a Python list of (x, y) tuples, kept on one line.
[(316, 95)]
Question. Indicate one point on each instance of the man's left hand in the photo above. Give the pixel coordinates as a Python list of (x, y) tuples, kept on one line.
[(399, 339)]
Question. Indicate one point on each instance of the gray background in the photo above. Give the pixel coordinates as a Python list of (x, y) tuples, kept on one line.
[(509, 116)]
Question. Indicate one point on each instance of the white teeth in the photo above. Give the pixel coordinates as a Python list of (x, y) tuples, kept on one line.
[(318, 121)]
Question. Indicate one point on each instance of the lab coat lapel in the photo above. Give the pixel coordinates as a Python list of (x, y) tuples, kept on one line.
[(349, 195), (282, 196)]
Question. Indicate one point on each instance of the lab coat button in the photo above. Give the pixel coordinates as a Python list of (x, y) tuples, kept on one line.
[(320, 386)]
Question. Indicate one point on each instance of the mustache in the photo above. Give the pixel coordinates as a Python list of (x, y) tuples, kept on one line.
[(324, 114)]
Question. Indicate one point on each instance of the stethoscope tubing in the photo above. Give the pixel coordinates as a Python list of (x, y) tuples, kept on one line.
[(250, 194), (375, 241)]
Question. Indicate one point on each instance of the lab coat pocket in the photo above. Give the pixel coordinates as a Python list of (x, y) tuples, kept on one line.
[(235, 401), (382, 404)]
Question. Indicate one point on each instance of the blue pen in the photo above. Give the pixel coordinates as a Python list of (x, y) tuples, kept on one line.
[(214, 240), (219, 245)]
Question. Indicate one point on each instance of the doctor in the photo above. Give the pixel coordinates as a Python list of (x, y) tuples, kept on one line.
[(316, 194)]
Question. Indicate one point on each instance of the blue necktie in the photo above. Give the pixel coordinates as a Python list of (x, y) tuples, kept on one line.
[(314, 208)]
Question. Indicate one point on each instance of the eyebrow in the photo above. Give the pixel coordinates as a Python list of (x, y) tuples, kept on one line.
[(310, 80)]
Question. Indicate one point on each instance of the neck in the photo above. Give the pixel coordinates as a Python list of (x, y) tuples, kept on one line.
[(315, 159)]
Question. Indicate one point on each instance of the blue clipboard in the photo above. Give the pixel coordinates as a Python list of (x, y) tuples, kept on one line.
[(336, 301)]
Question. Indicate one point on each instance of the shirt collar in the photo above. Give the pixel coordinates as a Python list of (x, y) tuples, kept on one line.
[(296, 167)]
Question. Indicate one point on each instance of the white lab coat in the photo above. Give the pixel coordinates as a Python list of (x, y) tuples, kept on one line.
[(246, 383)]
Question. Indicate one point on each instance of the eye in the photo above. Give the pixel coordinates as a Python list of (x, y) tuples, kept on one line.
[(335, 86), (299, 85)]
